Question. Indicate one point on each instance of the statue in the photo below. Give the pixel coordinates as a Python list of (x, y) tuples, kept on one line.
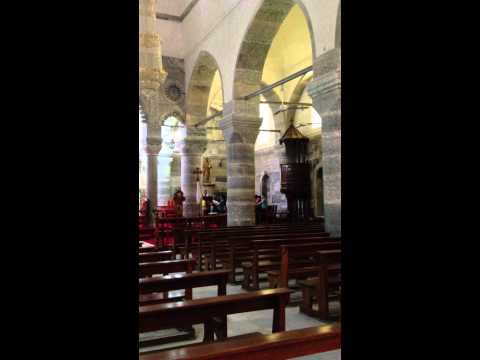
[(206, 171)]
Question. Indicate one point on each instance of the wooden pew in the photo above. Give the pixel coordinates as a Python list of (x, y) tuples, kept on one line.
[(177, 226), (152, 249), (289, 270), (151, 287), (153, 256), (206, 243), (323, 287), (148, 269), (212, 312), (165, 267), (271, 248), (239, 249), (279, 346)]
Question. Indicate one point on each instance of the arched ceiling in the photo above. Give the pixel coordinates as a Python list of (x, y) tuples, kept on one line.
[(291, 51)]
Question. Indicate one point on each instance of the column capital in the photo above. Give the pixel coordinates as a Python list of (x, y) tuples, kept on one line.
[(245, 123), (153, 146), (326, 86), (327, 62), (193, 145), (242, 107)]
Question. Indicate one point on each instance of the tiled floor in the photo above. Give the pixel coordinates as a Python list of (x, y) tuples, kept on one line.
[(257, 321)]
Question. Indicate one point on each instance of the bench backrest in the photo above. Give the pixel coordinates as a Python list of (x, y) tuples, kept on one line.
[(161, 316), (317, 252), (166, 267), (192, 280), (276, 243), (155, 256), (283, 345)]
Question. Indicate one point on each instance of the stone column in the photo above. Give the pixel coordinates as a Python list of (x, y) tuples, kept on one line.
[(164, 166), (325, 90), (193, 148), (240, 127), (150, 52), (152, 149)]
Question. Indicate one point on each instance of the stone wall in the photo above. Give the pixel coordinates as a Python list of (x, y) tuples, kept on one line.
[(267, 162), (315, 158), (175, 84)]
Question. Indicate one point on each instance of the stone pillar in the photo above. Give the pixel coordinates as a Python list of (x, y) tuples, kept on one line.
[(150, 52), (325, 90), (240, 127), (152, 149), (164, 163), (193, 148)]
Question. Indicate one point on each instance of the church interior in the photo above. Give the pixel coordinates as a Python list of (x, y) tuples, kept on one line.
[(239, 179)]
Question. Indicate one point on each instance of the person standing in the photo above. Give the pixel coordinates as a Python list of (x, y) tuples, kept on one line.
[(146, 211), (178, 200)]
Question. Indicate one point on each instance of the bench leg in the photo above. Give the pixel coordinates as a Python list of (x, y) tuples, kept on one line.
[(255, 280), (208, 331), (279, 317), (322, 297), (231, 276), (246, 279), (221, 327), (306, 306)]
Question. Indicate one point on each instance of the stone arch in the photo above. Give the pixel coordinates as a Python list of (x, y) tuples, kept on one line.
[(297, 95), (199, 87), (176, 113), (255, 46), (271, 96)]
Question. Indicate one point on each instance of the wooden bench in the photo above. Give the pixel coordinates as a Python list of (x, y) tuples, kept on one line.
[(266, 257), (212, 312), (153, 256), (235, 251), (289, 270), (166, 267), (279, 346), (153, 248), (324, 287), (152, 290), (206, 245), (239, 249), (178, 226)]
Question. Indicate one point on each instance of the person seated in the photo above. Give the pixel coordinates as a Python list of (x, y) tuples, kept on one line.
[(206, 203), (219, 206)]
